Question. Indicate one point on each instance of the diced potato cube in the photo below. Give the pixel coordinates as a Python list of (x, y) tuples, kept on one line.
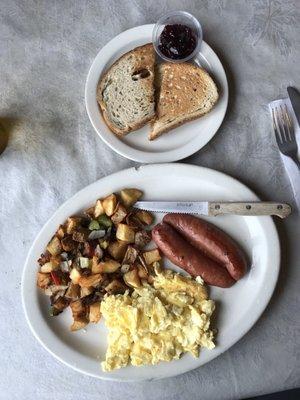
[(131, 278), (79, 314), (99, 210), (151, 256), (43, 280), (109, 266), (79, 324), (75, 276), (95, 314), (92, 280), (61, 303), (115, 287), (109, 204), (85, 291), (48, 267), (54, 246), (60, 233), (130, 196), (117, 250), (94, 267), (142, 238), (55, 260), (125, 233), (81, 235), (78, 309), (119, 214), (145, 217), (68, 243), (73, 291), (72, 224)]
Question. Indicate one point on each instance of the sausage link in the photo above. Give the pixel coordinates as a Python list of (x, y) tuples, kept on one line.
[(185, 256), (212, 241)]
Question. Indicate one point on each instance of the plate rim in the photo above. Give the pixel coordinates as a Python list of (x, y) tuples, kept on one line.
[(125, 150), (237, 337)]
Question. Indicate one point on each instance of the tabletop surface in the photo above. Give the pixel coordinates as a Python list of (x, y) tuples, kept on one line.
[(46, 49)]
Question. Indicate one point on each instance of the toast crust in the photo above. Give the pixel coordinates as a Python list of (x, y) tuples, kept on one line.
[(156, 134)]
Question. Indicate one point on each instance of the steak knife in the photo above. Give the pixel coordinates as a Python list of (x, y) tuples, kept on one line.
[(208, 208), (295, 101)]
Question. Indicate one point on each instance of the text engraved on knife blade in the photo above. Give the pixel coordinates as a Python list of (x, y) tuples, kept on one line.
[(184, 205)]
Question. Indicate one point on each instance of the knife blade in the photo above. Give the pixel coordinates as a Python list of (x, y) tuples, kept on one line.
[(295, 101), (184, 207), (281, 210)]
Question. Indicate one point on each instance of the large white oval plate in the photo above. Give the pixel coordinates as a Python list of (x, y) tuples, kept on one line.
[(238, 307), (175, 145)]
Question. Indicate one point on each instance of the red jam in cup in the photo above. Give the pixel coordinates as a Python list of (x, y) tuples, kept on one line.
[(177, 41)]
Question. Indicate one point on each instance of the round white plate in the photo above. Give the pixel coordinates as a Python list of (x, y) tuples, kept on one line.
[(238, 308), (178, 143)]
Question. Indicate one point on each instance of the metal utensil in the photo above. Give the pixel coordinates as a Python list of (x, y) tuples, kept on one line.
[(285, 133), (281, 210), (295, 101)]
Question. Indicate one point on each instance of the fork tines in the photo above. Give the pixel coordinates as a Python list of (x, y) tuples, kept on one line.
[(282, 124)]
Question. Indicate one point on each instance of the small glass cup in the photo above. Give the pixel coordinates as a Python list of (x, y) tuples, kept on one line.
[(181, 18)]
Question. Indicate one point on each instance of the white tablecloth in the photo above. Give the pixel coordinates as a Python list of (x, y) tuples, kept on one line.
[(46, 49)]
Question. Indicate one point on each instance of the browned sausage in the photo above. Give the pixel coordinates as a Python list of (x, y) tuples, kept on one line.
[(212, 241), (185, 256)]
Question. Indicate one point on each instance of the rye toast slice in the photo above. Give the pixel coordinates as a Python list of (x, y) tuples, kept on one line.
[(125, 93)]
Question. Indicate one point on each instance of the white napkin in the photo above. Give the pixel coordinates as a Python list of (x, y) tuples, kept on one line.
[(290, 167)]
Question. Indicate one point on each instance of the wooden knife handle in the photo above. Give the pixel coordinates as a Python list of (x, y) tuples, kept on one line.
[(281, 210)]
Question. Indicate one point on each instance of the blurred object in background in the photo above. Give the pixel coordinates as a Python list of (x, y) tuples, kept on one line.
[(5, 128)]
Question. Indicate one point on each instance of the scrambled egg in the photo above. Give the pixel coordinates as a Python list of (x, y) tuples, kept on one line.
[(157, 323)]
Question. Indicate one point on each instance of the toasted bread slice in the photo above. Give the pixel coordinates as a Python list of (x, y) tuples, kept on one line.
[(125, 93), (185, 92)]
